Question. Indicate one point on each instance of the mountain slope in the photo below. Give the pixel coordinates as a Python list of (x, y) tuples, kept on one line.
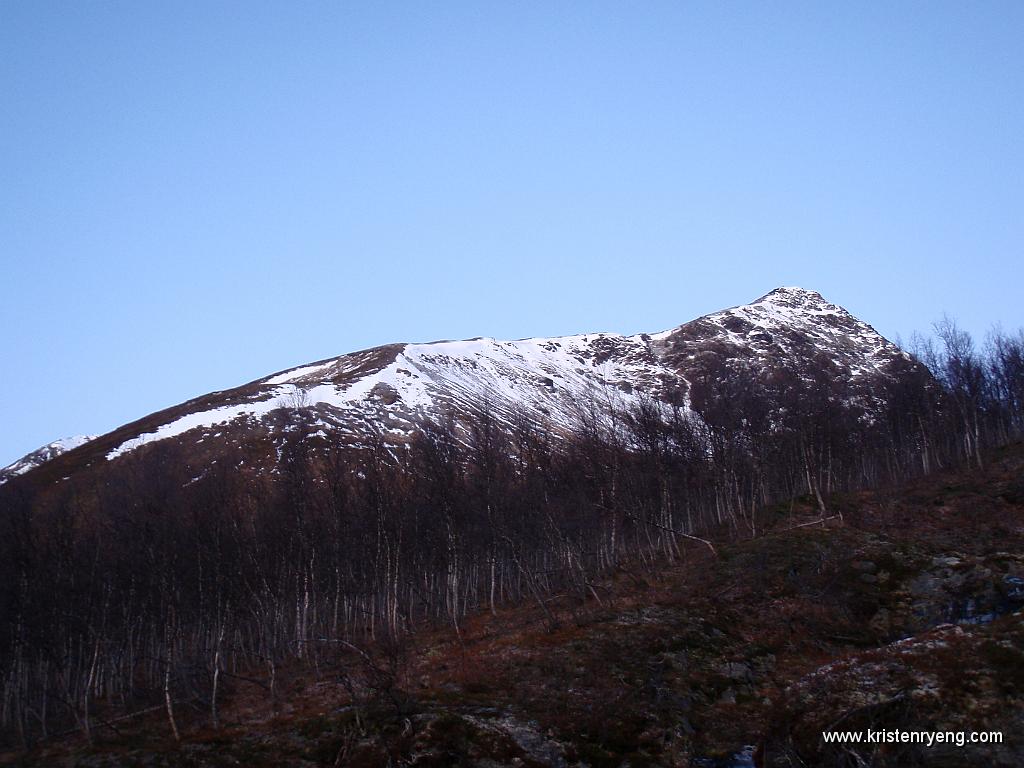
[(390, 390), (42, 455), (906, 615)]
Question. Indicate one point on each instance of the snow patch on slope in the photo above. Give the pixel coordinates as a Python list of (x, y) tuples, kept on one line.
[(43, 455), (555, 375), (390, 389)]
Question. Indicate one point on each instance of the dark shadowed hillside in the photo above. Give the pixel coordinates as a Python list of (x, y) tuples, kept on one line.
[(901, 611)]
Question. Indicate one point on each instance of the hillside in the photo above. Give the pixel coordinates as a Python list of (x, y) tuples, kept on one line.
[(905, 613), (314, 532)]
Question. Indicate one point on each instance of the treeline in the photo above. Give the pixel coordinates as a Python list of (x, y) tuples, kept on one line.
[(155, 590)]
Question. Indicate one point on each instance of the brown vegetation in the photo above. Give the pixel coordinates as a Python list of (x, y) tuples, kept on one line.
[(582, 621)]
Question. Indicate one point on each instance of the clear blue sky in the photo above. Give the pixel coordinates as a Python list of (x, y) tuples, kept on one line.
[(193, 195)]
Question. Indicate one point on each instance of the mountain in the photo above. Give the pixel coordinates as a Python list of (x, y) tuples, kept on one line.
[(389, 391), (281, 528), (42, 455)]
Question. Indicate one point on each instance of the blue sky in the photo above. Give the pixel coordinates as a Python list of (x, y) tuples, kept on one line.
[(194, 195)]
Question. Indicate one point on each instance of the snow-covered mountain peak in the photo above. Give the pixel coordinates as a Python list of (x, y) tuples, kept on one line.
[(789, 309), (787, 324), (794, 296), (790, 305), (389, 391), (42, 455), (793, 290)]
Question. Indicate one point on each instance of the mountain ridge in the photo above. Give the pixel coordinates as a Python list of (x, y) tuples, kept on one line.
[(390, 390), (42, 455)]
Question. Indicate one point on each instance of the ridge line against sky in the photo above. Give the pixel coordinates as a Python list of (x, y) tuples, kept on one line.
[(201, 194)]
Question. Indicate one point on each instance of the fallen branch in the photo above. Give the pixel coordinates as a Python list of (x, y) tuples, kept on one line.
[(121, 718), (822, 521), (707, 543), (252, 680)]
